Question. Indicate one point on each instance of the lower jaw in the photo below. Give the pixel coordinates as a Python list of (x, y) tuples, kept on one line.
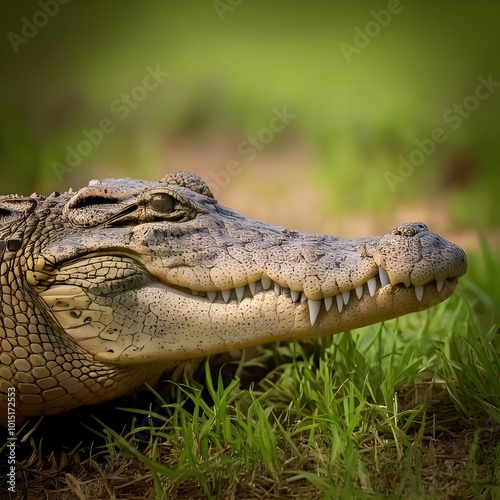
[(387, 303), (268, 318)]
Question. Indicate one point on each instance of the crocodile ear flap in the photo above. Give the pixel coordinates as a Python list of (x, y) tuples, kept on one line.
[(91, 196), (190, 181), (94, 205), (13, 208)]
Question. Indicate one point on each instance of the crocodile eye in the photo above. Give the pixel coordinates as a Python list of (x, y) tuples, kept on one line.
[(162, 203)]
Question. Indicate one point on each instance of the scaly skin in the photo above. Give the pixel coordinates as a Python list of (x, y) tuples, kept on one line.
[(109, 287)]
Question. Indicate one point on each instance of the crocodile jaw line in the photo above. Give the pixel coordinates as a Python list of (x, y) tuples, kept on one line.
[(160, 322), (277, 315)]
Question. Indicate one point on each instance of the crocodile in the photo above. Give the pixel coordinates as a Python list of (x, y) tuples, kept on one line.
[(112, 286)]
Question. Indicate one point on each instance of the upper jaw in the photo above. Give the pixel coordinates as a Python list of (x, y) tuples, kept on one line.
[(423, 295), (329, 273)]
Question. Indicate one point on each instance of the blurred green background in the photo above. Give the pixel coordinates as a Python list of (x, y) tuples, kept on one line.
[(366, 82)]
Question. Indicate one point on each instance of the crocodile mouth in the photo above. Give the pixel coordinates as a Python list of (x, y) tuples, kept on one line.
[(339, 301), (376, 289)]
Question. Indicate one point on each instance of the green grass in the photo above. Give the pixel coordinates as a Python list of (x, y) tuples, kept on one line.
[(385, 411)]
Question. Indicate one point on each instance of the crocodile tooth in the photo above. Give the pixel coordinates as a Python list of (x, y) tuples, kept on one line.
[(277, 289), (439, 285), (266, 282), (240, 292), (303, 297), (372, 286), (340, 302), (226, 294), (314, 307), (295, 295), (212, 296), (253, 288), (345, 297), (419, 292), (359, 291), (328, 302), (384, 277)]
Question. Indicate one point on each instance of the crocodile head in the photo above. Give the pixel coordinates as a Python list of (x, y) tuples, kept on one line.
[(122, 280)]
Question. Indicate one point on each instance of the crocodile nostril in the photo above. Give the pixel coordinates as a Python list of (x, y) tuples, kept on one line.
[(409, 229)]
